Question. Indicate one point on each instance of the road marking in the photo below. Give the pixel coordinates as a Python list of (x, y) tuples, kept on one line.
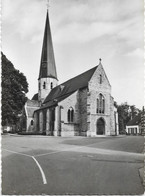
[(17, 152), (55, 152), (95, 150), (66, 150), (41, 171)]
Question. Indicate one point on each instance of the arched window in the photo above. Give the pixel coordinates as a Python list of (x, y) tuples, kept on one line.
[(44, 85), (100, 79), (100, 104), (70, 115), (51, 85), (32, 122)]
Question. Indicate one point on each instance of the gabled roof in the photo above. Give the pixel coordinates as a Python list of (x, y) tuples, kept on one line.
[(30, 107), (67, 88), (35, 97), (30, 111), (32, 103), (47, 65), (135, 121)]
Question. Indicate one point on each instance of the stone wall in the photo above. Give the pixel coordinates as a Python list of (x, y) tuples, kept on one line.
[(95, 88), (42, 93), (29, 126), (66, 127), (82, 100), (112, 118)]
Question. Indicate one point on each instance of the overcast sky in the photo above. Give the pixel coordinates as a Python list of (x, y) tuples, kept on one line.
[(82, 31)]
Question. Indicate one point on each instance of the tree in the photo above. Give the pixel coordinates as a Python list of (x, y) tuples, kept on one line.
[(134, 111), (14, 89), (125, 114)]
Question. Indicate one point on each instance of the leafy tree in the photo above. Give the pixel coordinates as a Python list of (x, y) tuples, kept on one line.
[(14, 89), (134, 111), (125, 114)]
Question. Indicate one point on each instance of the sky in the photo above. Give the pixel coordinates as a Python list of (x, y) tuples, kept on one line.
[(82, 31)]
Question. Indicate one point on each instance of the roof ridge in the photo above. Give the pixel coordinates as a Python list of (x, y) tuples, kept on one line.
[(79, 75), (71, 85)]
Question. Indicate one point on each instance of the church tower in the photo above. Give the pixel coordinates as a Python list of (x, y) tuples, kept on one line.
[(47, 74)]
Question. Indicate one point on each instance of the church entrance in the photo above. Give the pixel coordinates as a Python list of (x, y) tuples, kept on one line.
[(100, 126)]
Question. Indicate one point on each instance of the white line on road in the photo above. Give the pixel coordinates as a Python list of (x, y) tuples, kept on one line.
[(41, 171), (16, 152), (55, 152)]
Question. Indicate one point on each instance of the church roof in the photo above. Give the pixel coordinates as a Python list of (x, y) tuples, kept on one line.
[(35, 97), (47, 64), (30, 107), (67, 88), (135, 121)]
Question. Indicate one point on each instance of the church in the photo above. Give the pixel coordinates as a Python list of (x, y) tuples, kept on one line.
[(81, 106)]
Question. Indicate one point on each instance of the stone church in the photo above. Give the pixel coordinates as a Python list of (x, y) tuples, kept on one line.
[(81, 106)]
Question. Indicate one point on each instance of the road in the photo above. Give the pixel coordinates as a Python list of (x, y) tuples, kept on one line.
[(55, 165)]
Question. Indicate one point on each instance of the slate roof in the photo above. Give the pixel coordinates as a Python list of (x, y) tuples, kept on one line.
[(47, 65), (35, 97), (67, 88), (135, 121)]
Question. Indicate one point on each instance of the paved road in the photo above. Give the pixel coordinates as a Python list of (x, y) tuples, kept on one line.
[(48, 165)]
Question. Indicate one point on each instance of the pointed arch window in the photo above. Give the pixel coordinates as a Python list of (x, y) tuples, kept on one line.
[(44, 85), (100, 104), (70, 115)]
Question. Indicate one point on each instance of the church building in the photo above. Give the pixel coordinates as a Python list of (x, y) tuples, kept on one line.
[(81, 106)]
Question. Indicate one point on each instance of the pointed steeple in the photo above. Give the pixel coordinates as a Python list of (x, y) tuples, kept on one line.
[(47, 64)]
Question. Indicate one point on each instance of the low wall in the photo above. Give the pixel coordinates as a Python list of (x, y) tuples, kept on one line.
[(67, 129)]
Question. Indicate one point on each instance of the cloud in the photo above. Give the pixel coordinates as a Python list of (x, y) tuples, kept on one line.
[(23, 19), (138, 52), (82, 22), (77, 32), (88, 21)]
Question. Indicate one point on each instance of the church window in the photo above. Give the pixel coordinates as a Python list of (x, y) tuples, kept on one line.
[(100, 79), (39, 86), (70, 115), (32, 122), (100, 104), (44, 85), (51, 85)]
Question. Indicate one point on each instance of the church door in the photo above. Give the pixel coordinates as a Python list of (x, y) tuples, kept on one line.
[(100, 127)]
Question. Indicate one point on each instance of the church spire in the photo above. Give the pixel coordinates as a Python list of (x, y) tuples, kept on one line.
[(47, 64)]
